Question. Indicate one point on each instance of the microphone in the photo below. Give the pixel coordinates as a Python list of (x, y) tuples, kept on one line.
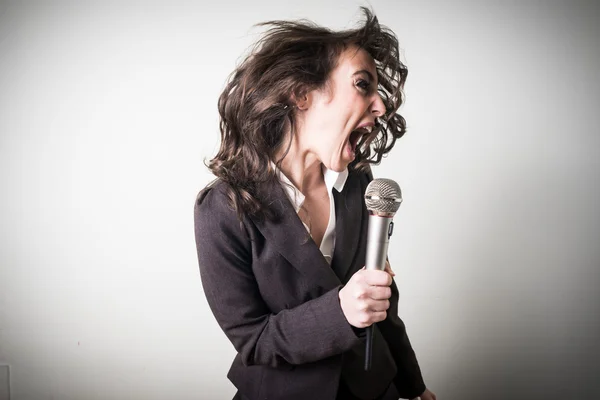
[(383, 198)]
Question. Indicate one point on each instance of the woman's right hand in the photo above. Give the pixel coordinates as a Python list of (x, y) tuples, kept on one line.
[(364, 299)]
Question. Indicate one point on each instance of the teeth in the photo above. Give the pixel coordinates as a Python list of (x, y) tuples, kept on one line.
[(365, 130)]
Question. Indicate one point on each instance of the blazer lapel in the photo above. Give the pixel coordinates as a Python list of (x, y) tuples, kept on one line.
[(291, 239), (348, 218)]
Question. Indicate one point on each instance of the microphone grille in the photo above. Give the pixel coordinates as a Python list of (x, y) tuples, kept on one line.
[(383, 196)]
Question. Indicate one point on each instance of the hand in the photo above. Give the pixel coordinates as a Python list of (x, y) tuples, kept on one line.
[(364, 299), (426, 395)]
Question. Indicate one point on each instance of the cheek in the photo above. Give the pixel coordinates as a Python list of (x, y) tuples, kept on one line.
[(331, 123), (328, 126)]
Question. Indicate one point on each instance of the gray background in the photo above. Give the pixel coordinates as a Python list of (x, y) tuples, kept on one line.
[(107, 110)]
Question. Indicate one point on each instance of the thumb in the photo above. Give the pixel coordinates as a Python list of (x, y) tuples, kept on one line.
[(389, 270)]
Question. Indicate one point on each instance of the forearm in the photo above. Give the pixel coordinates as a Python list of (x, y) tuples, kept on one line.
[(312, 331)]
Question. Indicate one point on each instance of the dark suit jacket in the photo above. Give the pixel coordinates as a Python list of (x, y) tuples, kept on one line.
[(276, 299)]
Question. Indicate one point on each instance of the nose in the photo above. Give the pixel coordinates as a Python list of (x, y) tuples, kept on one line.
[(377, 106)]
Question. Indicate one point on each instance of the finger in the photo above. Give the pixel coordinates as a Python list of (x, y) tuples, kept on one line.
[(358, 274), (380, 292), (379, 305), (378, 278), (378, 316)]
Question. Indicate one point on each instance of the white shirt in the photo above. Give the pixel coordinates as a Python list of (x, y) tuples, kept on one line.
[(333, 180)]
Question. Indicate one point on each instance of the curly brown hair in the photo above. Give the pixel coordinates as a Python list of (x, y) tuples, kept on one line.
[(290, 59)]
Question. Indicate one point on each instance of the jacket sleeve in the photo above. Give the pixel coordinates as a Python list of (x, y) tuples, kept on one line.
[(409, 379), (312, 331)]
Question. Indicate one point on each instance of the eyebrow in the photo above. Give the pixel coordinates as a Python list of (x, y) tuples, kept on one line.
[(364, 71)]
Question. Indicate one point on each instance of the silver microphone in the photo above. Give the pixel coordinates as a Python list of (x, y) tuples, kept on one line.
[(383, 198)]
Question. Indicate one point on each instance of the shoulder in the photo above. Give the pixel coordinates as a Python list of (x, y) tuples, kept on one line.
[(219, 233), (214, 195), (213, 210)]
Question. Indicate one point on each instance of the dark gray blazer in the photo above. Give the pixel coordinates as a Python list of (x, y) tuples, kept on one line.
[(276, 298)]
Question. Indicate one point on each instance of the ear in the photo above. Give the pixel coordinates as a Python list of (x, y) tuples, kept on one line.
[(302, 99), (303, 102)]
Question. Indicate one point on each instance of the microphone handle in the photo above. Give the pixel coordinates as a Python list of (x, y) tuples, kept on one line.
[(378, 239)]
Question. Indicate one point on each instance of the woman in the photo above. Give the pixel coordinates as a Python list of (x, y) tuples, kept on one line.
[(281, 233)]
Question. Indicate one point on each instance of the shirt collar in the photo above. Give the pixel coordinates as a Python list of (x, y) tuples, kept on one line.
[(333, 180)]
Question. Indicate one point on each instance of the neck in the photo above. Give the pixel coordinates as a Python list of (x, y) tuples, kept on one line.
[(300, 165)]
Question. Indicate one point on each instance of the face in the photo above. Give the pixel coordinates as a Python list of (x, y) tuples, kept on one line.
[(333, 119)]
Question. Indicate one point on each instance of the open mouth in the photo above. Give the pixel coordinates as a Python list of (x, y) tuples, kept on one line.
[(355, 137)]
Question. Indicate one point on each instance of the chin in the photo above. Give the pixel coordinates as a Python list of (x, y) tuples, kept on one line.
[(339, 166)]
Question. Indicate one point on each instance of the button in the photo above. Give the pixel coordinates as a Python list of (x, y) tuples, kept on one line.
[(390, 229)]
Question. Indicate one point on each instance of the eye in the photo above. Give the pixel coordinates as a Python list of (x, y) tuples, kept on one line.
[(363, 84)]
